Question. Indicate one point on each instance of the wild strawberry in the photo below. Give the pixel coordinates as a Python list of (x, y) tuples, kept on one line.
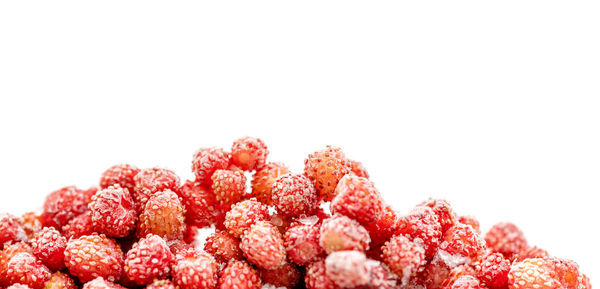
[(325, 168), (92, 256), (113, 212), (7, 253), (149, 259), (249, 153), (294, 195), (566, 272), (49, 246), (100, 283), (493, 271), (263, 246), (79, 226), (532, 252), (239, 275), (471, 221), (195, 270), (457, 273), (531, 273), (60, 280), (302, 241), (342, 233), (121, 174), (463, 240), (161, 284), (316, 276), (150, 181), (243, 215), (384, 228), (63, 205), (403, 257), (444, 212), (31, 224), (358, 169), (347, 268), (206, 161), (263, 179), (223, 246), (287, 276), (434, 274), (506, 239), (24, 268), (228, 186), (380, 276), (11, 229), (357, 198), (163, 215), (422, 225), (466, 282), (201, 208)]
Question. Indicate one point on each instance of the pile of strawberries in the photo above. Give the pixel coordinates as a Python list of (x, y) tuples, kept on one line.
[(326, 228)]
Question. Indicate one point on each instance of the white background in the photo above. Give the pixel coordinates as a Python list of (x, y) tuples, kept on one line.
[(491, 106)]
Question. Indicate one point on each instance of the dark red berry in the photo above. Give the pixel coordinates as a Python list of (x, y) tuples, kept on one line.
[(63, 205), (113, 212), (206, 161), (121, 174), (357, 198), (49, 246)]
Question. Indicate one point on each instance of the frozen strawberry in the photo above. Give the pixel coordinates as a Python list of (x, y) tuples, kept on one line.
[(239, 275), (358, 169), (92, 256), (347, 268), (380, 276), (150, 181), (403, 257), (244, 214), (201, 208), (463, 240), (63, 205), (228, 186), (357, 198), (493, 271), (506, 239), (434, 274), (249, 153), (49, 245), (11, 229), (79, 226), (566, 272), (342, 233), (459, 272), (325, 168), (302, 241), (444, 212), (24, 268), (121, 174), (263, 179), (287, 276), (163, 215), (471, 221), (7, 253), (161, 284), (100, 283), (195, 270), (206, 161), (384, 228), (113, 212), (149, 259), (263, 246), (60, 280), (532, 252), (465, 282), (422, 226), (294, 195), (531, 273), (316, 276), (223, 246), (31, 224)]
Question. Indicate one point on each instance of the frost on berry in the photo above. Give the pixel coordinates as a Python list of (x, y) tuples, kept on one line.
[(228, 186), (463, 240), (7, 253), (121, 174), (465, 282), (113, 212), (263, 246), (423, 227), (243, 215), (60, 280), (566, 272), (384, 228), (531, 273), (403, 257), (316, 276), (380, 277), (63, 205), (325, 168), (294, 195), (18, 286), (31, 224), (342, 233), (493, 271), (79, 226), (101, 283), (358, 169), (302, 242), (347, 268), (506, 239), (458, 273), (531, 252), (223, 246), (434, 274), (206, 161), (263, 179), (92, 256), (11, 229), (24, 268), (444, 212), (286, 276), (194, 270), (150, 181), (161, 284), (471, 221), (249, 153), (201, 208), (281, 222), (48, 246), (150, 258), (357, 198), (239, 275), (163, 215)]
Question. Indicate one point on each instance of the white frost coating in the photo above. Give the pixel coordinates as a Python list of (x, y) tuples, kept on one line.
[(272, 211), (451, 260), (309, 220), (201, 235), (270, 286), (325, 206), (347, 268)]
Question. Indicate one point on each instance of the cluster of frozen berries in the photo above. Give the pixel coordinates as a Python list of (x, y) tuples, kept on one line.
[(325, 228)]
